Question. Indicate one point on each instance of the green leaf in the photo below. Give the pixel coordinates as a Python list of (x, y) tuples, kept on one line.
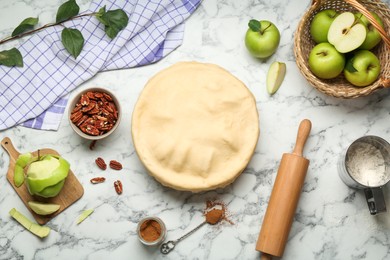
[(254, 25), (73, 41), (101, 12), (114, 21), (11, 57), (25, 25), (67, 10), (349, 66)]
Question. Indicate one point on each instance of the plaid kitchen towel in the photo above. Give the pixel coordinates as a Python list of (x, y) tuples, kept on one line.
[(36, 94)]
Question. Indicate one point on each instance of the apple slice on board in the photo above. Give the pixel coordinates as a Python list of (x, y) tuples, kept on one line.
[(346, 33), (71, 192), (275, 76)]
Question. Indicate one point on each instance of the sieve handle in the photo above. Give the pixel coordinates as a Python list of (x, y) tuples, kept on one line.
[(375, 200)]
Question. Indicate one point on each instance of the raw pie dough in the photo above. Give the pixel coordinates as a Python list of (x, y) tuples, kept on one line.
[(195, 126)]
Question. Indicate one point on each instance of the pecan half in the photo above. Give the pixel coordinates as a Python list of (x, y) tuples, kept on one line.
[(101, 163), (97, 180), (75, 117), (118, 187), (115, 165), (84, 100)]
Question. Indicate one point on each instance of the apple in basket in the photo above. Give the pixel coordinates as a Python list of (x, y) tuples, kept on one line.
[(346, 33), (262, 38), (362, 69), (373, 37), (320, 24), (325, 61)]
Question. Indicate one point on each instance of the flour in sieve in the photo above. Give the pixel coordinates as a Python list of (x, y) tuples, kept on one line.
[(365, 163)]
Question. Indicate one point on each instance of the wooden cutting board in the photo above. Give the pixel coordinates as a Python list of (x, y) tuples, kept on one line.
[(70, 193)]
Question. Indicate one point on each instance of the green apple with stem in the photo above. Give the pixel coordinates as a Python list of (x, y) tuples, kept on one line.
[(262, 38), (346, 33), (373, 37), (362, 69), (320, 24), (325, 61)]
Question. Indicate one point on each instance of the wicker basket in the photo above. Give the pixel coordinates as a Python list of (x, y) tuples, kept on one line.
[(340, 87)]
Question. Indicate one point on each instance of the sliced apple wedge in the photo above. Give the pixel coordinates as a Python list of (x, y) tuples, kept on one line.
[(275, 76), (346, 33), (43, 208)]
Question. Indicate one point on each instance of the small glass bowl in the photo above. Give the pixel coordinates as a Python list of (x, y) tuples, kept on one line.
[(158, 240)]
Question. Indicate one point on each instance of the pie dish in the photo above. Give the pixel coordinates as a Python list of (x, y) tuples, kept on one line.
[(195, 126)]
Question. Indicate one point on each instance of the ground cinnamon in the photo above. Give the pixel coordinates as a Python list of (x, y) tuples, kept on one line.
[(215, 212), (150, 230), (214, 216)]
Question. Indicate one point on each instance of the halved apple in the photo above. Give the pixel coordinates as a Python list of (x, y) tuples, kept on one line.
[(346, 33), (275, 76)]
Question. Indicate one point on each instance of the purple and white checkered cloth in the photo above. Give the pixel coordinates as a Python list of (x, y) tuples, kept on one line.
[(36, 95)]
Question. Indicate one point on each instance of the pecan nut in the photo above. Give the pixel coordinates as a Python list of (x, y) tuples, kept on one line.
[(118, 187), (115, 165), (97, 180), (101, 163)]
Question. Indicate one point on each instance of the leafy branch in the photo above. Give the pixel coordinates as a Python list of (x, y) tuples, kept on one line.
[(113, 20)]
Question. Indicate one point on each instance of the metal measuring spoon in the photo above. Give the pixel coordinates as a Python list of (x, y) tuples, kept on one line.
[(170, 245)]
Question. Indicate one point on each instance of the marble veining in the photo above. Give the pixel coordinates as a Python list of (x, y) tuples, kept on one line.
[(332, 221)]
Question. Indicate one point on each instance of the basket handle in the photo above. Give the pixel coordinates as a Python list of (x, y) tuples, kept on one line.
[(372, 20), (386, 83)]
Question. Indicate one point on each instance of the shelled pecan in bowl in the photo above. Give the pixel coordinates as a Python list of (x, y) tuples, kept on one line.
[(94, 113)]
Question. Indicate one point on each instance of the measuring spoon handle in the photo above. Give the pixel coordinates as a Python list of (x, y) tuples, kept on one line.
[(170, 245)]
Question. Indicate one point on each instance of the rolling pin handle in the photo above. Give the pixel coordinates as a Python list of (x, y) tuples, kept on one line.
[(265, 256), (303, 134)]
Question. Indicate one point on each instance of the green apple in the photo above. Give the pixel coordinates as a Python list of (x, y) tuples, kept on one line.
[(320, 24), (40, 231), (362, 69), (262, 38), (373, 37), (325, 61), (46, 176), (275, 76), (346, 33), (43, 208)]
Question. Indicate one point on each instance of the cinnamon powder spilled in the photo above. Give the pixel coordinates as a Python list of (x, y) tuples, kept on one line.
[(216, 212)]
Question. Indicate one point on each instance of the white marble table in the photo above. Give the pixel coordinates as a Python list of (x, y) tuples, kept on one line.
[(332, 220)]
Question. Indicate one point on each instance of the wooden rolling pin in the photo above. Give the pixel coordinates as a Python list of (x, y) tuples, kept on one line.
[(284, 198)]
